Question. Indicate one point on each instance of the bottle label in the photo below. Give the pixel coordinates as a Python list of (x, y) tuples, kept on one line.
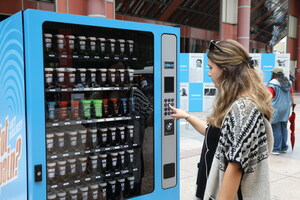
[(61, 142), (104, 137), (122, 135), (62, 170), (94, 164), (94, 138), (51, 172), (74, 197), (49, 78), (50, 143), (73, 140), (84, 195), (72, 78), (61, 77), (114, 162), (95, 194), (82, 77), (104, 164), (83, 166), (131, 185), (83, 139), (93, 77), (113, 136), (104, 192)]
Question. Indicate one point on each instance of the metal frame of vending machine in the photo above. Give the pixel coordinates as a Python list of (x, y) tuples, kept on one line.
[(84, 108)]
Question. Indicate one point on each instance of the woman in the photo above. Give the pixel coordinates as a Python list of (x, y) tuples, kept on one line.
[(237, 133), (281, 90)]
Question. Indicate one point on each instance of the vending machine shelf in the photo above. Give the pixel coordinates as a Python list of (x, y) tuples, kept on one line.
[(90, 121), (98, 150), (94, 178), (86, 89), (51, 57)]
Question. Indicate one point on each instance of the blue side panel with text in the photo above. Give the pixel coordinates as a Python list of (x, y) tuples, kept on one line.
[(184, 68), (267, 64), (195, 97), (13, 171)]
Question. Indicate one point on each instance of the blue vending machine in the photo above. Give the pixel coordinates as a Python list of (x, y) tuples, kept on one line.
[(84, 108)]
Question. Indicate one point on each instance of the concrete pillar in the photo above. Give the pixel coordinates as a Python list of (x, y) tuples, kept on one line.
[(96, 8), (243, 26)]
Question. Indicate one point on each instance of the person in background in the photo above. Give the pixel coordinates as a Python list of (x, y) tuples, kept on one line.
[(238, 135), (292, 77), (281, 90)]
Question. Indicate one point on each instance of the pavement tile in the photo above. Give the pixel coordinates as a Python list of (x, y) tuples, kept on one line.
[(284, 166), (286, 188), (188, 188), (190, 164), (185, 174)]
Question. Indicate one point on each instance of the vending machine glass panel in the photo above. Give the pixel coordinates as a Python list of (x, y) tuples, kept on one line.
[(98, 111)]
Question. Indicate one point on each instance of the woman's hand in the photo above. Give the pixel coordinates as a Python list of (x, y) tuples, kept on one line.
[(198, 124), (178, 113)]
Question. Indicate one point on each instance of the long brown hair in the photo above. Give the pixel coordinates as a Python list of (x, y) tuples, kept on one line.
[(239, 79)]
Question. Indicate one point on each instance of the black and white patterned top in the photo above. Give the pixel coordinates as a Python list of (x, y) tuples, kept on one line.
[(245, 139)]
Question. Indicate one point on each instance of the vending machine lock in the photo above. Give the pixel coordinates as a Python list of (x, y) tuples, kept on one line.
[(38, 173)]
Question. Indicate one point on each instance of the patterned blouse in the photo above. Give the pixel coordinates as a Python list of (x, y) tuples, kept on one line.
[(246, 137)]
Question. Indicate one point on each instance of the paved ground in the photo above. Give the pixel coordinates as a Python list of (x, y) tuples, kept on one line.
[(285, 168)]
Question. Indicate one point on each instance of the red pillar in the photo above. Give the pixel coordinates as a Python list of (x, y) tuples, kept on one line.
[(297, 73), (110, 9), (243, 28), (96, 8)]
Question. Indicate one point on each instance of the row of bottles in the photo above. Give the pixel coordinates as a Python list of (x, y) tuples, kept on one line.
[(76, 168), (89, 109), (60, 44), (86, 77), (114, 189), (82, 139)]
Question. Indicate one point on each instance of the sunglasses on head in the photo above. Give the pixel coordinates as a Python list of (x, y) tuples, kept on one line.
[(213, 46)]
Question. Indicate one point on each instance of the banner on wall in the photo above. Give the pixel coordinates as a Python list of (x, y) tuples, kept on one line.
[(256, 57), (200, 89), (283, 60), (209, 95), (196, 66)]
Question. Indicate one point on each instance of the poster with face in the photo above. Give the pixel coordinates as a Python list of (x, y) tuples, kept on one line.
[(184, 98), (283, 60), (256, 58), (209, 95), (196, 66)]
